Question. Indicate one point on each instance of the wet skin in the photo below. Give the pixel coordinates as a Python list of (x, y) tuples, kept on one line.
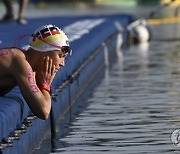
[(27, 70)]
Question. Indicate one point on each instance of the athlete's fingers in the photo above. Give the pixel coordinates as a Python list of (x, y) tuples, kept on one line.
[(50, 66), (53, 70), (46, 66)]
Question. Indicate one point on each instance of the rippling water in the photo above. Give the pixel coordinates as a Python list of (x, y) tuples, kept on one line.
[(135, 108)]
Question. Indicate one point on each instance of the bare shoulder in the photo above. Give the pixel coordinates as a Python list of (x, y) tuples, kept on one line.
[(17, 55), (10, 53), (12, 59), (18, 60)]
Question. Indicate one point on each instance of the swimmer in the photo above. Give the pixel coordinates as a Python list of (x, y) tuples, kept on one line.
[(33, 70)]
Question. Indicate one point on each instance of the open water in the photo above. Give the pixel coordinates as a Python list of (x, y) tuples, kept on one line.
[(135, 108)]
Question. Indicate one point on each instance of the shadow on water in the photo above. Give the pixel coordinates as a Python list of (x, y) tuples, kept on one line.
[(134, 109)]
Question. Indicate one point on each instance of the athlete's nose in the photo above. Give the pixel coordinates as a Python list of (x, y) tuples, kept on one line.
[(62, 63)]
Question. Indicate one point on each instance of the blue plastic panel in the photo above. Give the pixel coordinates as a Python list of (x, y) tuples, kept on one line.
[(86, 34)]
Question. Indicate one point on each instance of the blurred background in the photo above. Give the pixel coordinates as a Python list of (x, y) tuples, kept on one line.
[(142, 8), (136, 107)]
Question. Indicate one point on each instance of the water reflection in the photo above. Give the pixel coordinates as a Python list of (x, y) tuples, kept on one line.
[(137, 111)]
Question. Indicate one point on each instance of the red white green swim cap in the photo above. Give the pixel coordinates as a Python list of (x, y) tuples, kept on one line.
[(48, 38)]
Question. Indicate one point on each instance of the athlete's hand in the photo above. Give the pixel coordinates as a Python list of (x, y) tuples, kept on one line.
[(46, 72)]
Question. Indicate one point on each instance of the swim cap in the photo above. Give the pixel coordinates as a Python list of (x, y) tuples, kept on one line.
[(48, 38)]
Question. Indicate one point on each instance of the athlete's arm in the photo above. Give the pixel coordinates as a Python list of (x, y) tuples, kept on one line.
[(38, 100)]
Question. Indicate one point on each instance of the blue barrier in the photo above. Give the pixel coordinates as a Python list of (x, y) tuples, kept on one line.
[(20, 131)]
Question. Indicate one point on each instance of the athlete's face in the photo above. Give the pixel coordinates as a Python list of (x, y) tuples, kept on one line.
[(58, 58)]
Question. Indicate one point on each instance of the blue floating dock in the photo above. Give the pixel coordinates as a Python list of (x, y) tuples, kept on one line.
[(91, 39)]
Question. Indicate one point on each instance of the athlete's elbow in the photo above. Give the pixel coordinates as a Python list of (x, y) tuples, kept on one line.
[(45, 118), (44, 114)]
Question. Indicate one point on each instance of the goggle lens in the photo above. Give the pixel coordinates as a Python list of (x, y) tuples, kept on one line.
[(66, 49)]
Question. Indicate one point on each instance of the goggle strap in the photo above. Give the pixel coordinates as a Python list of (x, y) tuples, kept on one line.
[(19, 38)]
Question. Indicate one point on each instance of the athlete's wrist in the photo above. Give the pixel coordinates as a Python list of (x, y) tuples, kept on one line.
[(45, 87), (46, 81)]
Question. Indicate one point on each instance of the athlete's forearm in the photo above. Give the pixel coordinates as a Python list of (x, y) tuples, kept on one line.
[(46, 107)]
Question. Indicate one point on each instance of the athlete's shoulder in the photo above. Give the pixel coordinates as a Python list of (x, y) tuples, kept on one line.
[(6, 57), (16, 57), (10, 52), (19, 63), (16, 54)]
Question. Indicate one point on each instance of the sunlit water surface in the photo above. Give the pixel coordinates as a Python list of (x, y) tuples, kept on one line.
[(136, 106), (134, 109)]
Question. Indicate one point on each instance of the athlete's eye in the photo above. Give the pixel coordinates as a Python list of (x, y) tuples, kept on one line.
[(63, 55), (60, 55)]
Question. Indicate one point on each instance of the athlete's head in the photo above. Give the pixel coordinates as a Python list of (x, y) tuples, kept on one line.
[(49, 38)]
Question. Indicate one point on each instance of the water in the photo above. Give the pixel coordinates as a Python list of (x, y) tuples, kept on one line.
[(134, 109)]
